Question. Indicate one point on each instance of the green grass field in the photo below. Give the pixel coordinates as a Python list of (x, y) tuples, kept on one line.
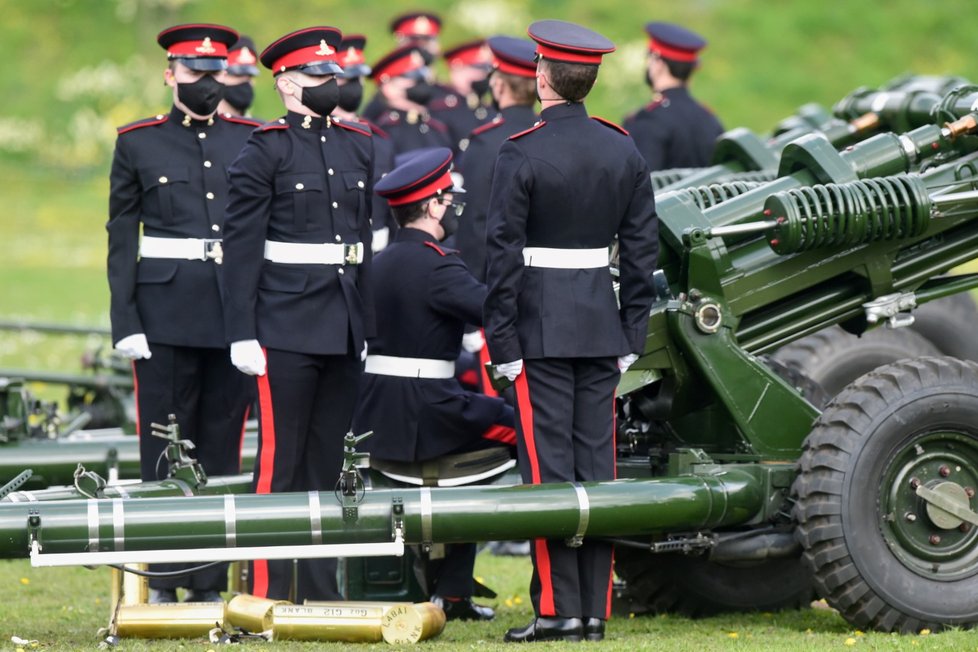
[(63, 609)]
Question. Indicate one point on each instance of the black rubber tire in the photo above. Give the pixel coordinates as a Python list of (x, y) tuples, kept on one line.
[(696, 587), (807, 387), (841, 485), (834, 358), (949, 324)]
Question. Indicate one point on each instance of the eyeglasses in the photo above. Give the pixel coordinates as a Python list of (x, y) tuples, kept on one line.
[(459, 205)]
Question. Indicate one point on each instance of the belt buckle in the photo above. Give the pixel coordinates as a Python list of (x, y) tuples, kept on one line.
[(214, 250), (352, 253)]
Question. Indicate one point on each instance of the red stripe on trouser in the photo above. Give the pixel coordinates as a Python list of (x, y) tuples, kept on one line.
[(135, 393), (503, 434), (266, 467), (244, 424), (540, 545), (614, 452), (487, 387)]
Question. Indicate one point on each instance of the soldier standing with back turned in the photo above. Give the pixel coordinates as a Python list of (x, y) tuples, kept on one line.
[(169, 175), (553, 324)]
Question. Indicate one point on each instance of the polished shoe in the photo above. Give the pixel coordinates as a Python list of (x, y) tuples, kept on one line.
[(462, 609), (204, 596), (161, 596), (547, 629), (594, 629)]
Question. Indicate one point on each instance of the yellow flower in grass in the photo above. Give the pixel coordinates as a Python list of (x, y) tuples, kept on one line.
[(733, 635), (25, 581), (850, 641), (925, 632), (517, 600)]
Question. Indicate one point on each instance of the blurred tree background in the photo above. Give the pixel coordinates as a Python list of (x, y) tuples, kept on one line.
[(74, 70)]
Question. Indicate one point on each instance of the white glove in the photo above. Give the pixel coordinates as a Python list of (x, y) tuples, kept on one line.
[(248, 357), (134, 347), (380, 239), (363, 354), (510, 369), (626, 361), (473, 342)]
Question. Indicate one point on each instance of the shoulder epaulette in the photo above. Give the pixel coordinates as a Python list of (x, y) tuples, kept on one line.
[(274, 124), (377, 131), (241, 120), (441, 252), (492, 124), (145, 122), (609, 123), (351, 127), (526, 131)]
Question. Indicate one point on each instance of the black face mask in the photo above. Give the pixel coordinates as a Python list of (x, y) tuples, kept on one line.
[(323, 98), (480, 87), (420, 93), (351, 94), (202, 96), (240, 96), (449, 223)]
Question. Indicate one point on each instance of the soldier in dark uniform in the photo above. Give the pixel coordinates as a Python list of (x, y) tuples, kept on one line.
[(297, 307), (552, 319), (513, 86), (674, 130), (464, 106), (418, 28), (411, 400), (240, 78), (169, 175), (350, 58), (401, 80)]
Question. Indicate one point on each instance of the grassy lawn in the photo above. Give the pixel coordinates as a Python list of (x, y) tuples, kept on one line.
[(63, 609)]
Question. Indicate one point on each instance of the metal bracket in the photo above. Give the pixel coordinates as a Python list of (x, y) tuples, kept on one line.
[(685, 544), (895, 308)]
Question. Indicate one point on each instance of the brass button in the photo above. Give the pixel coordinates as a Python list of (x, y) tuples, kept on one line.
[(209, 195), (299, 186), (330, 171), (335, 205), (207, 164), (202, 135), (163, 179), (338, 238), (322, 138), (339, 271), (215, 228), (359, 184)]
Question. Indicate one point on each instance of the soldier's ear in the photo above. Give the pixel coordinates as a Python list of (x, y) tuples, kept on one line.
[(168, 78)]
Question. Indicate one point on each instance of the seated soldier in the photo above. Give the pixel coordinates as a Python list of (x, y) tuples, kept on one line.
[(410, 398)]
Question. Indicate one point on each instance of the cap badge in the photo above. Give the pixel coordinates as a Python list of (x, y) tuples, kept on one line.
[(206, 47), (324, 49), (246, 57), (350, 56), (422, 25)]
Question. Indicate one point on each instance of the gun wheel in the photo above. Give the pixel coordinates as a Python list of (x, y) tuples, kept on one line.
[(887, 558)]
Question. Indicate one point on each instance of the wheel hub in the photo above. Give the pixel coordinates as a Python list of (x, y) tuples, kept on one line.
[(927, 505)]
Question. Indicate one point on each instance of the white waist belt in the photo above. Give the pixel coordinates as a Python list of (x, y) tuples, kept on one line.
[(326, 253), (565, 258), (388, 365), (181, 248)]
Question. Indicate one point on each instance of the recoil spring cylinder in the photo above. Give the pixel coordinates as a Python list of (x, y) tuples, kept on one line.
[(708, 196), (663, 178), (847, 214), (762, 176)]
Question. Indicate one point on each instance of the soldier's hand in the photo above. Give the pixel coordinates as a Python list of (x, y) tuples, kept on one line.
[(626, 361), (473, 342), (134, 347), (248, 357), (363, 354), (510, 369)]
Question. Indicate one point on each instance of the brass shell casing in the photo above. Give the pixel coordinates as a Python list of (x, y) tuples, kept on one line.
[(169, 620), (251, 613)]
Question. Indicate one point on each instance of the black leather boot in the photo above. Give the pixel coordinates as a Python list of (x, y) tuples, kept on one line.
[(547, 629), (594, 629)]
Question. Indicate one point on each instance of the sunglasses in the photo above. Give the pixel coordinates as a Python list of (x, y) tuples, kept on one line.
[(459, 205)]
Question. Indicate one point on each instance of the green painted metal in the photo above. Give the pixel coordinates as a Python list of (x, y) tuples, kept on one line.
[(442, 515), (215, 485), (929, 541)]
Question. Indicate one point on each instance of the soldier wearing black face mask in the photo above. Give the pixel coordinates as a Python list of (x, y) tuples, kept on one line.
[(298, 309), (416, 408), (468, 103), (674, 130), (169, 178), (350, 58), (239, 79), (402, 81)]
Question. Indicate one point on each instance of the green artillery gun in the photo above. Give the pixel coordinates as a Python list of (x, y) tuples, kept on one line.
[(34, 435), (103, 390), (726, 470)]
